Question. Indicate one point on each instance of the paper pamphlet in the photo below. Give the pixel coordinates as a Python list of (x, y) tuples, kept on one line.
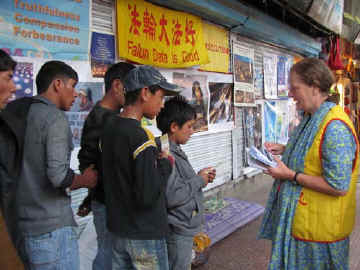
[(260, 159), (165, 145)]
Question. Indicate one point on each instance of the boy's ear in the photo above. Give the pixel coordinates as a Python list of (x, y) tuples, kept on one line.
[(145, 94), (174, 127)]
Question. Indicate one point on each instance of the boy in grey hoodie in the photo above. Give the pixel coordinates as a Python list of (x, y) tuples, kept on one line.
[(184, 187)]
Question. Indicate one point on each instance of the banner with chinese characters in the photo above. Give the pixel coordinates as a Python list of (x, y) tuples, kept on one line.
[(217, 45), (157, 36), (45, 29)]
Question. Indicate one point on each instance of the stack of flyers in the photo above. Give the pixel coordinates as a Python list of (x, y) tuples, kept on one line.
[(260, 159)]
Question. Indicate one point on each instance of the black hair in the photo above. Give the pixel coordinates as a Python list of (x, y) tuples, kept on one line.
[(6, 62), (116, 71), (132, 96), (176, 110), (52, 70)]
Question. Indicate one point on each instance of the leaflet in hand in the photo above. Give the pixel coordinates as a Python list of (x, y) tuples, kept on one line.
[(165, 145), (260, 159)]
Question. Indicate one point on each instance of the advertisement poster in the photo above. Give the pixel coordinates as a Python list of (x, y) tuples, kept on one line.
[(45, 29), (243, 59), (153, 35), (221, 103), (89, 94), (102, 53), (24, 80), (196, 91), (276, 121), (217, 44), (270, 75), (252, 128), (283, 71)]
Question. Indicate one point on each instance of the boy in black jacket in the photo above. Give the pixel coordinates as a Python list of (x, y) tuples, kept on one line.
[(90, 154), (135, 175)]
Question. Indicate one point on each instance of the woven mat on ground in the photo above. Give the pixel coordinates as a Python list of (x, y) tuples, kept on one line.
[(227, 219)]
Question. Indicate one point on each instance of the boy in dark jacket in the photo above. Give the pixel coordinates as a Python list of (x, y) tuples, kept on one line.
[(135, 175), (90, 154), (184, 194)]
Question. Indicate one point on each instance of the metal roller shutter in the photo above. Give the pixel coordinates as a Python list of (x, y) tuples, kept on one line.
[(210, 150)]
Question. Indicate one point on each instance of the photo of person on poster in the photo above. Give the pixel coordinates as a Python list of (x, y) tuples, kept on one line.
[(86, 100), (195, 90), (221, 102)]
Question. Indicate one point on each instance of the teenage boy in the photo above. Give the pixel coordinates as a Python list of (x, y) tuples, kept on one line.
[(45, 222), (90, 154), (135, 175), (184, 194)]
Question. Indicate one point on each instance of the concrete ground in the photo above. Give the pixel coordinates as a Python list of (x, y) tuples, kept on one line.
[(242, 251)]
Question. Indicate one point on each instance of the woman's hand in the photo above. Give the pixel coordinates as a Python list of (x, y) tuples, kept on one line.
[(274, 148), (281, 171)]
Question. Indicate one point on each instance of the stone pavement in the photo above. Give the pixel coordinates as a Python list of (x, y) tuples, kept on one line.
[(242, 251)]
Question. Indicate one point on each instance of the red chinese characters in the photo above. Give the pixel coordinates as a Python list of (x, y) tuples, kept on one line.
[(163, 23), (189, 32), (177, 33), (149, 24), (135, 23)]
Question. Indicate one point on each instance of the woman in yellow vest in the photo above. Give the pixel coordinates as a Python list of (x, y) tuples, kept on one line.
[(311, 208)]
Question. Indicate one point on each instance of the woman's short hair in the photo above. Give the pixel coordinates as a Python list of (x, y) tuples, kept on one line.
[(314, 72)]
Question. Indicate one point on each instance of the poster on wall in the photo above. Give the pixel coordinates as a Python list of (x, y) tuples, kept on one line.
[(252, 129), (243, 59), (276, 121), (45, 29), (89, 94), (217, 44), (283, 70), (270, 75), (24, 80), (196, 91), (102, 53), (153, 35), (221, 109), (295, 117)]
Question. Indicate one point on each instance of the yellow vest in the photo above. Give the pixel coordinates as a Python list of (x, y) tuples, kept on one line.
[(320, 217)]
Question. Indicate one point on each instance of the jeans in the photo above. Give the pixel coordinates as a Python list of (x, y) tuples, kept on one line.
[(102, 260), (56, 250), (129, 254), (179, 251)]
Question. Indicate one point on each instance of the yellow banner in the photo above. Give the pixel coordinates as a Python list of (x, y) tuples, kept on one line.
[(217, 43), (157, 36)]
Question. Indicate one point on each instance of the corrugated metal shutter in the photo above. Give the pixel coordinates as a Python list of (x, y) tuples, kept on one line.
[(209, 150), (102, 16)]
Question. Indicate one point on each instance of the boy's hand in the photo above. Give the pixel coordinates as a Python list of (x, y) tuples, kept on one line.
[(208, 174), (90, 177), (85, 207), (167, 155), (212, 174)]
